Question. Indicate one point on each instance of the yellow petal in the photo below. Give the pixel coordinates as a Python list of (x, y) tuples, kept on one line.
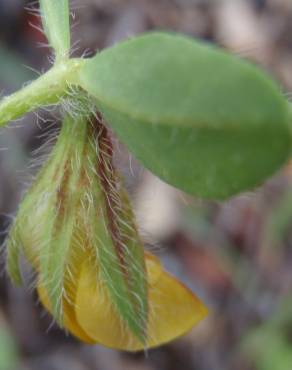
[(69, 316), (173, 309)]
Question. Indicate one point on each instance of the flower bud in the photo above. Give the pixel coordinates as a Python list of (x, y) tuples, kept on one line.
[(76, 227)]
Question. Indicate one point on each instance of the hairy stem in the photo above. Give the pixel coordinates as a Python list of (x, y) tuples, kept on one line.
[(46, 90)]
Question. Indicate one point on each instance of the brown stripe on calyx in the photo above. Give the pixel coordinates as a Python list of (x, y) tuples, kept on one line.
[(62, 194), (109, 185)]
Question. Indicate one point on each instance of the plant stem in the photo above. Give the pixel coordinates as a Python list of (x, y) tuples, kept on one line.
[(48, 89)]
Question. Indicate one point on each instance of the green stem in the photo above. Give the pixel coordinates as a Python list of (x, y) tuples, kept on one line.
[(48, 89)]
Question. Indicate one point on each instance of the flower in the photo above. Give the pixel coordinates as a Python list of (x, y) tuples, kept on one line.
[(77, 229), (90, 315)]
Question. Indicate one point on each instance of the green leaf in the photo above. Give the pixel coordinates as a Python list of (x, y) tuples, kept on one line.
[(55, 17), (202, 120)]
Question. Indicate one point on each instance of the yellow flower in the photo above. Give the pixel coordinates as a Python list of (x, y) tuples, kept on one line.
[(77, 229), (90, 315)]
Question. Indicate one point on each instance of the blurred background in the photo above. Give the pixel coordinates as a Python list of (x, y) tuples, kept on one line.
[(236, 255)]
